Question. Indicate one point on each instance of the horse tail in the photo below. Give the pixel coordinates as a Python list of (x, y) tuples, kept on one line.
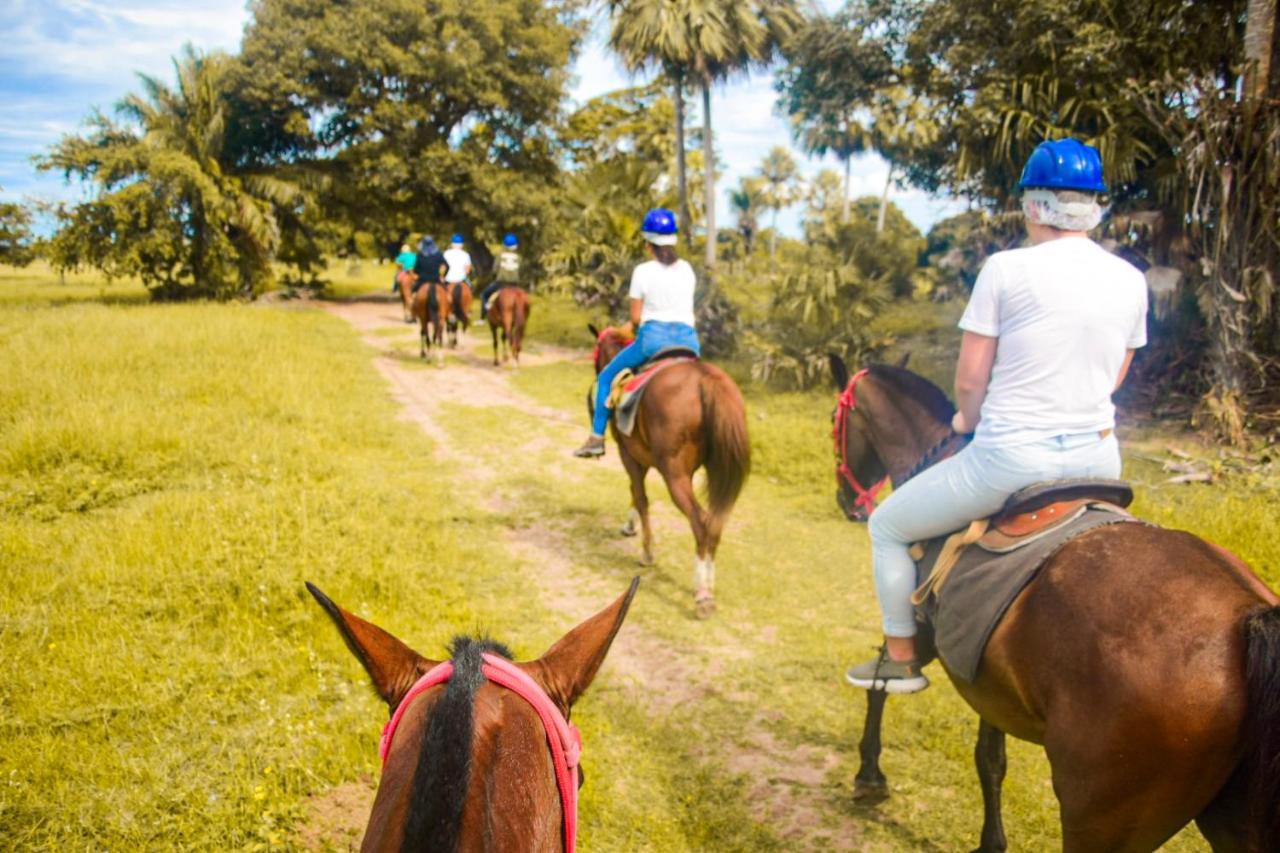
[(433, 303), (1262, 674), (728, 459), (519, 312)]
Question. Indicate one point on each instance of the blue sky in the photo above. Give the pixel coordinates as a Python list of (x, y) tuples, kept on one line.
[(59, 59)]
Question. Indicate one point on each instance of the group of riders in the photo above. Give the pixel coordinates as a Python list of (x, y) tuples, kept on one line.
[(453, 266), (1048, 335)]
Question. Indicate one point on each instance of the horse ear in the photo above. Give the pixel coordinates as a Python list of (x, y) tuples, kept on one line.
[(839, 373), (595, 333), (902, 362), (392, 665), (568, 667)]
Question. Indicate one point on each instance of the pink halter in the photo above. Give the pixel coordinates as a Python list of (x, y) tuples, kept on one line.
[(563, 737), (848, 402)]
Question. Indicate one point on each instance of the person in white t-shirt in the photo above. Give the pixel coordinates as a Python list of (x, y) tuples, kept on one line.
[(1049, 333), (459, 261), (662, 309)]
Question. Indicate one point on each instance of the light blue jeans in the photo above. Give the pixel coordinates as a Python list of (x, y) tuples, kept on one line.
[(652, 338), (974, 483)]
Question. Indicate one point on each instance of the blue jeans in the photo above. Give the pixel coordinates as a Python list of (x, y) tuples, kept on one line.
[(651, 338), (974, 483)]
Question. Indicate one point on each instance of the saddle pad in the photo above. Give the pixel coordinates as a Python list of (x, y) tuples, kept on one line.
[(629, 388), (982, 585)]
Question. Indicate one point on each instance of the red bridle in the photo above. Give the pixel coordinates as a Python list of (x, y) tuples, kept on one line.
[(562, 736), (847, 403)]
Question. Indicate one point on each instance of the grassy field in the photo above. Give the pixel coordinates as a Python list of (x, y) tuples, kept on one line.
[(169, 475)]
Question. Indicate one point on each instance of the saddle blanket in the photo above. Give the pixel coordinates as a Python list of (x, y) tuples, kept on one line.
[(983, 583)]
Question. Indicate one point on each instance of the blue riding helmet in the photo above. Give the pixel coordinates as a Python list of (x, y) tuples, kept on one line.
[(659, 227), (510, 241), (1064, 164), (457, 240)]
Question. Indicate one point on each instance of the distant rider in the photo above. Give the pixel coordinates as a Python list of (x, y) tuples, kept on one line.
[(430, 265), (507, 271), (661, 306), (1049, 334), (405, 261), (459, 261)]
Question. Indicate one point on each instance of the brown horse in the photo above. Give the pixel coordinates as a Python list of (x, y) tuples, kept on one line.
[(509, 312), (1145, 661), (405, 279), (692, 415), (459, 310), (429, 306), (468, 765)]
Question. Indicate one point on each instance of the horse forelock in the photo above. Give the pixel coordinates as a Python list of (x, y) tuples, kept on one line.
[(443, 772)]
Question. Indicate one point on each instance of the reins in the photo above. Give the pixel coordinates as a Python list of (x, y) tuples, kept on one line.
[(949, 445), (563, 737), (866, 497)]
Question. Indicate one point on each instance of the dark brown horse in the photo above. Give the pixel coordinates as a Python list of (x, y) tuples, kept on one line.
[(470, 764), (1145, 661), (508, 313), (691, 416), (459, 313), (429, 306)]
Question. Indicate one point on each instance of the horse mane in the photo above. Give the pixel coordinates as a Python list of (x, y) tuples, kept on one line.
[(917, 388), (443, 774)]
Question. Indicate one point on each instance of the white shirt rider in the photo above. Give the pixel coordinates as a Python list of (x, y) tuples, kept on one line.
[(459, 261), (667, 291)]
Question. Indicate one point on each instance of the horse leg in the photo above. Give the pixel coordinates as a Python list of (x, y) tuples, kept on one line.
[(494, 330), (680, 485), (989, 756), (639, 504), (870, 784)]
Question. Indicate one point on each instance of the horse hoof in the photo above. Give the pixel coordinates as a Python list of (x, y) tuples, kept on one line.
[(868, 793), (628, 529), (705, 608)]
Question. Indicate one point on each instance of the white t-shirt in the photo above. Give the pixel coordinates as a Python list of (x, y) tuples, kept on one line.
[(459, 261), (1064, 313), (667, 291)]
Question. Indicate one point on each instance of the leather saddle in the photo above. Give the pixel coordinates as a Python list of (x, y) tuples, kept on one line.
[(1027, 516)]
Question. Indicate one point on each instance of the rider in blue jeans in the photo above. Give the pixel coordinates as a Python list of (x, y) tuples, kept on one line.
[(661, 307)]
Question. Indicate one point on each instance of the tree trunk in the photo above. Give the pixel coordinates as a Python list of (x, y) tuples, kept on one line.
[(844, 217), (1259, 38), (709, 177), (773, 240), (682, 182), (884, 200)]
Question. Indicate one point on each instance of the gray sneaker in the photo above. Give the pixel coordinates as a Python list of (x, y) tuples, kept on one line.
[(891, 676)]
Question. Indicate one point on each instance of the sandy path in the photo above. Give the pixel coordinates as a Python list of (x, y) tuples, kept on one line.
[(789, 786)]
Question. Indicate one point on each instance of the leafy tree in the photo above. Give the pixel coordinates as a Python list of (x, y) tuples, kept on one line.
[(436, 116), (15, 235), (781, 178), (827, 204), (171, 206)]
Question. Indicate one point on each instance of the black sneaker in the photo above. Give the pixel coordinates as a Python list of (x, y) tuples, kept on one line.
[(891, 676)]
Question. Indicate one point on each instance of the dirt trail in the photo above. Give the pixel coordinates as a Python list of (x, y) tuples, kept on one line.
[(789, 785)]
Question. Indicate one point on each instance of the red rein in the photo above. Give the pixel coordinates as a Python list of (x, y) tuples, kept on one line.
[(847, 403)]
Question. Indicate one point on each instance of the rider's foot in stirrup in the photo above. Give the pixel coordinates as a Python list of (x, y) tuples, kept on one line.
[(884, 673), (593, 449)]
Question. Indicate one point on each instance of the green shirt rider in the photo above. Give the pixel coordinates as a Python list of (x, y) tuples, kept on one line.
[(507, 272)]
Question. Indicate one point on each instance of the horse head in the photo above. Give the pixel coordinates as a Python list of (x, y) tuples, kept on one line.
[(609, 342), (885, 420), (466, 764)]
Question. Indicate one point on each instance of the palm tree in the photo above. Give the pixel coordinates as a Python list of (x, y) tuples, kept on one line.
[(701, 41), (781, 177), (746, 201), (844, 136)]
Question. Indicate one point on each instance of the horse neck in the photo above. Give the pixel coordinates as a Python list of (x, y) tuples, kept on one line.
[(902, 430)]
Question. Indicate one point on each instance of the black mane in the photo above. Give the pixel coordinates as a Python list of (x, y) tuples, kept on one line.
[(917, 388), (444, 762)]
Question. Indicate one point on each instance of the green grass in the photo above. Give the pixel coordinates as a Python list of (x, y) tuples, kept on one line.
[(169, 475)]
